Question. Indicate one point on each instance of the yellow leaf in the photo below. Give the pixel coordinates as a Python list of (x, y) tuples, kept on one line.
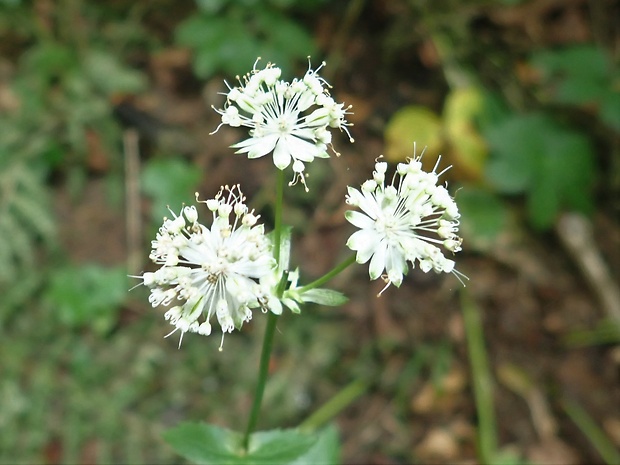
[(468, 149), (408, 125)]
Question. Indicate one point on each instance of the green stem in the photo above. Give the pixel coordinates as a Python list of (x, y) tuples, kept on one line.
[(265, 355), (277, 220), (588, 426), (481, 380), (333, 406), (329, 275)]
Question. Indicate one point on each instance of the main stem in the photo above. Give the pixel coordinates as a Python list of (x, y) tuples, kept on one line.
[(265, 356), (277, 215), (272, 319)]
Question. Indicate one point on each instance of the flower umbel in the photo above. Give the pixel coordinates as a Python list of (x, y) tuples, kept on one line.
[(292, 120), (402, 222), (213, 271)]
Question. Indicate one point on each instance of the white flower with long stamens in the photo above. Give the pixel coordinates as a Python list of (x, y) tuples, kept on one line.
[(292, 120), (210, 272), (405, 221)]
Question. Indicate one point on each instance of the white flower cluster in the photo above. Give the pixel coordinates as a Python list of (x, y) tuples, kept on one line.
[(292, 120), (402, 222), (210, 271)]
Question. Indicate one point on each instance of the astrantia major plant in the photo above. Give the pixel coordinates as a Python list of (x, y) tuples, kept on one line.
[(226, 271)]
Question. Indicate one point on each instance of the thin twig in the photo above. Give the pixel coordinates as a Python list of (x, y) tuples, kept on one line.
[(575, 232), (133, 218)]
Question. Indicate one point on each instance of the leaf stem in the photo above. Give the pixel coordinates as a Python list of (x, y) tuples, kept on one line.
[(334, 405), (329, 275)]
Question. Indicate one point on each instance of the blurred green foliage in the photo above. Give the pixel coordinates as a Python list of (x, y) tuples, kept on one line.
[(228, 35), (25, 216), (57, 111), (169, 183), (87, 296), (70, 395), (581, 75), (537, 154), (68, 96), (483, 215), (551, 164)]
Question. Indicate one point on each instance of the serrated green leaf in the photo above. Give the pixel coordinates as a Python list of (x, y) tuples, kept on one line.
[(279, 446), (199, 31), (209, 444), (287, 38), (572, 166), (516, 144), (223, 44), (552, 164), (580, 60), (580, 89), (326, 297), (483, 216), (543, 204), (326, 451), (241, 48), (206, 64), (229, 36), (205, 444), (575, 75)]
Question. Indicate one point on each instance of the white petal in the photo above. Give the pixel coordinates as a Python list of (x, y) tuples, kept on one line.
[(395, 277), (364, 240), (301, 149), (359, 219), (395, 262), (370, 204), (354, 197), (281, 155), (304, 133), (377, 264), (257, 147)]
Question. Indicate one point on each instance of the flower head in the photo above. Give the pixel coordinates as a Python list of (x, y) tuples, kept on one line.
[(405, 221), (210, 272), (292, 120)]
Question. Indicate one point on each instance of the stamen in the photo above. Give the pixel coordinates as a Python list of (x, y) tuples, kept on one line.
[(387, 284)]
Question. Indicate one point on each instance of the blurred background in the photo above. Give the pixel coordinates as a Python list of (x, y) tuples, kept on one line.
[(105, 119)]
